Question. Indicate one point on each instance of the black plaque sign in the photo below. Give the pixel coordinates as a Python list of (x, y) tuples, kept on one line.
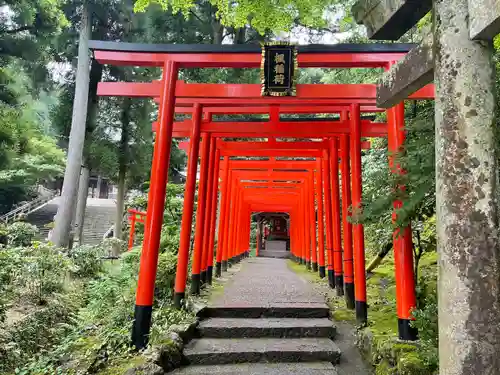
[(278, 69)]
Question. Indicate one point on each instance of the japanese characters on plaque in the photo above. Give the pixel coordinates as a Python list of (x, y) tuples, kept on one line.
[(278, 69)]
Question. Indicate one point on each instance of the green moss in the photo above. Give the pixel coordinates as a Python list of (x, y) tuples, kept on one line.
[(373, 279), (303, 271), (344, 315), (411, 364), (393, 350), (120, 365), (401, 348), (428, 259), (385, 368)]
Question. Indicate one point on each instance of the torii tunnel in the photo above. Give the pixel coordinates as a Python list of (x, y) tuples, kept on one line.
[(315, 181)]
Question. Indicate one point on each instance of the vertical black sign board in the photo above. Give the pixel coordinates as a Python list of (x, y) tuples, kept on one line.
[(278, 69)]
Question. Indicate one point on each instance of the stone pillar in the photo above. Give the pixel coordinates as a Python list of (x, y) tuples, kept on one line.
[(466, 197), (83, 189), (98, 187)]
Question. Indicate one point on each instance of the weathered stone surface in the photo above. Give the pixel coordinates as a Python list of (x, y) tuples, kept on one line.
[(146, 369), (389, 19), (466, 197), (168, 355), (484, 19), (176, 340), (410, 74), (310, 368), (223, 351), (266, 282), (196, 307), (274, 254), (185, 331), (283, 310), (267, 327)]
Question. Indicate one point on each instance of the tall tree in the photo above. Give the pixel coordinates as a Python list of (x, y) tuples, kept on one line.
[(67, 206), (28, 153)]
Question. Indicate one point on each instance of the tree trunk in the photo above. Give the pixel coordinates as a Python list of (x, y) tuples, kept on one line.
[(239, 35), (61, 233), (83, 191), (123, 165), (217, 28), (466, 197)]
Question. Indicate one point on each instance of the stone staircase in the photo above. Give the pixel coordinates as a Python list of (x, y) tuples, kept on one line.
[(268, 320), (41, 217), (274, 249), (294, 339), (99, 217), (282, 254)]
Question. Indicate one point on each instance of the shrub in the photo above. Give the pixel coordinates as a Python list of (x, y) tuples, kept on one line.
[(426, 321), (87, 260), (36, 331), (165, 278), (169, 240), (42, 272), (9, 264), (113, 246), (3, 234), (21, 234)]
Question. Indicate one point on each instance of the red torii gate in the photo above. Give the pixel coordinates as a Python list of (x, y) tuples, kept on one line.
[(172, 95)]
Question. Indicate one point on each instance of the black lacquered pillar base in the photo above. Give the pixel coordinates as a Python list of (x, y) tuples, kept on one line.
[(349, 296), (406, 331), (210, 271), (339, 285), (331, 279), (322, 272), (195, 284), (361, 312), (141, 326)]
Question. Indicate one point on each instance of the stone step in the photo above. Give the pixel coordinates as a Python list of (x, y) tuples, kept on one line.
[(267, 327), (212, 351), (282, 310), (274, 254), (309, 368)]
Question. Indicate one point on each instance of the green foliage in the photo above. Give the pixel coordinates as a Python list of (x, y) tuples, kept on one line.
[(42, 272), (426, 321), (165, 278), (20, 233), (276, 15), (23, 340), (28, 154), (26, 32), (426, 313), (9, 262), (91, 328), (86, 260)]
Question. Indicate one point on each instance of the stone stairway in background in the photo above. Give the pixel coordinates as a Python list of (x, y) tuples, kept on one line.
[(274, 249), (42, 217), (283, 254), (99, 217), (269, 321)]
